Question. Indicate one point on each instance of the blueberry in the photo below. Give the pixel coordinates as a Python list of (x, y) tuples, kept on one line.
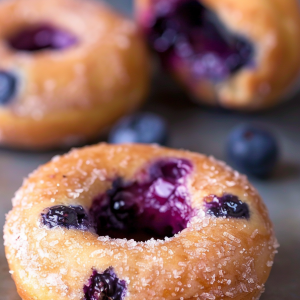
[(41, 37), (228, 206), (253, 150), (74, 217), (105, 286), (171, 169), (146, 128), (8, 84)]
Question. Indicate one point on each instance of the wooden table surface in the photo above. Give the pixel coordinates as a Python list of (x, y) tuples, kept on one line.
[(203, 130)]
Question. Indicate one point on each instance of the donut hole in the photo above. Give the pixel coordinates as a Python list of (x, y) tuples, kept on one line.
[(187, 31), (157, 207), (40, 37)]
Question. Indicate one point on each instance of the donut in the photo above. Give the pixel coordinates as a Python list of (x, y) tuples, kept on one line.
[(68, 70), (135, 222), (241, 55)]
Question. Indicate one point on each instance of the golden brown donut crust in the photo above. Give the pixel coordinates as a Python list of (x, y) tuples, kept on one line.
[(273, 26), (70, 96), (213, 258)]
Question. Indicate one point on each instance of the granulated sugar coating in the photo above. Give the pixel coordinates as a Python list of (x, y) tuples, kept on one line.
[(211, 258)]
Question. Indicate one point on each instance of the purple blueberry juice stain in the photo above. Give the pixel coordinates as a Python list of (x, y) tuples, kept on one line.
[(156, 207), (228, 206), (187, 31), (41, 37), (70, 217), (104, 286)]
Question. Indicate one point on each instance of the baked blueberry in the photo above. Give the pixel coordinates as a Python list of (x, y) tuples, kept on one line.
[(146, 128), (41, 37), (253, 150), (8, 85), (189, 32), (156, 207), (70, 217), (228, 206), (171, 169), (104, 286)]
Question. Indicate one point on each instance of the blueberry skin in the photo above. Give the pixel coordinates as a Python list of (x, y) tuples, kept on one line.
[(228, 206), (145, 128), (8, 84), (253, 150), (70, 217), (105, 286)]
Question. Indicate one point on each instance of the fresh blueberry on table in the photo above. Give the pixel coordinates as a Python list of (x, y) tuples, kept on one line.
[(145, 128), (253, 150), (8, 83)]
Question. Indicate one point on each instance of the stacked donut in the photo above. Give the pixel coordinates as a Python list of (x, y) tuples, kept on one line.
[(241, 55), (67, 71)]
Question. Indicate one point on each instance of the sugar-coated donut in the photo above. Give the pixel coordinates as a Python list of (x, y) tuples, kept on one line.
[(68, 69), (238, 54), (138, 222)]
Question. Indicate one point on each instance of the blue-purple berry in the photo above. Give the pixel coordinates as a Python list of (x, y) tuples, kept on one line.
[(104, 286), (70, 217), (228, 206), (172, 169), (145, 128), (253, 150), (8, 86)]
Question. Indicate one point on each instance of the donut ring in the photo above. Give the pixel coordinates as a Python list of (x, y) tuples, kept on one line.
[(217, 252), (228, 53), (67, 90)]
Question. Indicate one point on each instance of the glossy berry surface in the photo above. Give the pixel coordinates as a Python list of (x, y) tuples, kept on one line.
[(253, 150), (105, 286), (41, 37), (70, 217), (146, 128), (155, 207), (187, 31), (8, 86), (228, 206)]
